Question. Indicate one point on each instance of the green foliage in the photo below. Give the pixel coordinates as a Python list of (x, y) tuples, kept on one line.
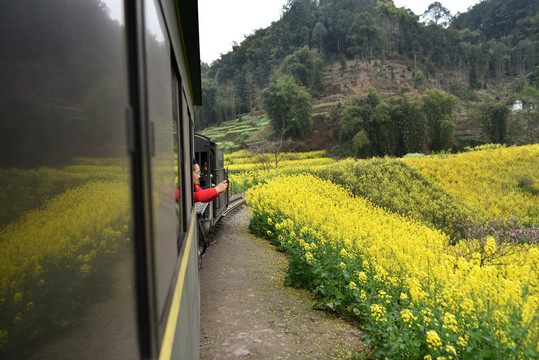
[(399, 125), (497, 18), (393, 185), (439, 109), (306, 67), (289, 107), (527, 183), (351, 122), (387, 136), (340, 30), (244, 130), (318, 35), (438, 14), (420, 81), (494, 118), (362, 144), (411, 124), (462, 93), (447, 131)]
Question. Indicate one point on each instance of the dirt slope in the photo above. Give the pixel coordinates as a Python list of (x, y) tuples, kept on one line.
[(247, 312)]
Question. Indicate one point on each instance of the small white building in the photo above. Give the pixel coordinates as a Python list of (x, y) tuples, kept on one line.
[(517, 106)]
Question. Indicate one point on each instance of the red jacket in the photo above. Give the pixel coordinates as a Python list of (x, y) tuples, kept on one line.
[(201, 195), (205, 195)]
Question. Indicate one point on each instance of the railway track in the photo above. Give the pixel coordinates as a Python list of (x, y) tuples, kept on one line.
[(204, 240), (233, 205)]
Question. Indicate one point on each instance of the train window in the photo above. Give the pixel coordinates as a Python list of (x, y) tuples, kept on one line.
[(160, 116), (67, 286), (178, 163), (191, 145)]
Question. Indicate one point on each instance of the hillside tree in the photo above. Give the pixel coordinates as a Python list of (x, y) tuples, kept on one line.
[(289, 107), (439, 109), (306, 67)]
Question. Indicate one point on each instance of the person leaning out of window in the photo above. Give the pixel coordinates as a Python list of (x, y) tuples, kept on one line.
[(205, 195)]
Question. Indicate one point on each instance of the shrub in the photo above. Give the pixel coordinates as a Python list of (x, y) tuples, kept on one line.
[(393, 185)]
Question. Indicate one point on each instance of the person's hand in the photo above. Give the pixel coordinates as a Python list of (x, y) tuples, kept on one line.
[(221, 187)]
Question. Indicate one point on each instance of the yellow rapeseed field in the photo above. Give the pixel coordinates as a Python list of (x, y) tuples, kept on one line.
[(417, 296), (247, 169), (489, 179)]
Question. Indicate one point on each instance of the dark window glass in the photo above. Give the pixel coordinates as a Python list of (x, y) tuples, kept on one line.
[(178, 163), (160, 107), (66, 253)]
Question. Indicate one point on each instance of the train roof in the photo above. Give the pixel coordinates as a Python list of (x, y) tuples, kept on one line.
[(204, 138)]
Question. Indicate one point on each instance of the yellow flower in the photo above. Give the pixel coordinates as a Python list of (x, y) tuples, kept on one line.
[(406, 315), (450, 322), (17, 298), (490, 246), (378, 312), (433, 340)]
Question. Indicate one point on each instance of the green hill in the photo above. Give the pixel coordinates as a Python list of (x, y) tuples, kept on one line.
[(484, 57)]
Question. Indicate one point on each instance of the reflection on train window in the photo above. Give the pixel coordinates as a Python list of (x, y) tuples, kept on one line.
[(191, 145), (160, 112), (67, 265), (176, 126)]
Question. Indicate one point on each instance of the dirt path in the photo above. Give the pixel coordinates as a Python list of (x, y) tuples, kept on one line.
[(247, 312)]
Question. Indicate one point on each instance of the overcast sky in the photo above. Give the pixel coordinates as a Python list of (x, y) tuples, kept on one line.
[(222, 22)]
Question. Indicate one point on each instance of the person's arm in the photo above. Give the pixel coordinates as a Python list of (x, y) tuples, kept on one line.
[(211, 193), (205, 195), (221, 187)]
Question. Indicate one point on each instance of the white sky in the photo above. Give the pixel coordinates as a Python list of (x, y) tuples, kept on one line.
[(223, 21)]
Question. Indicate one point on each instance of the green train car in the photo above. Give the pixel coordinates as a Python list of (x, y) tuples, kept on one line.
[(98, 260)]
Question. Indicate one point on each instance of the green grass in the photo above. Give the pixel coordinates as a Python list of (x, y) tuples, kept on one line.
[(247, 127)]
